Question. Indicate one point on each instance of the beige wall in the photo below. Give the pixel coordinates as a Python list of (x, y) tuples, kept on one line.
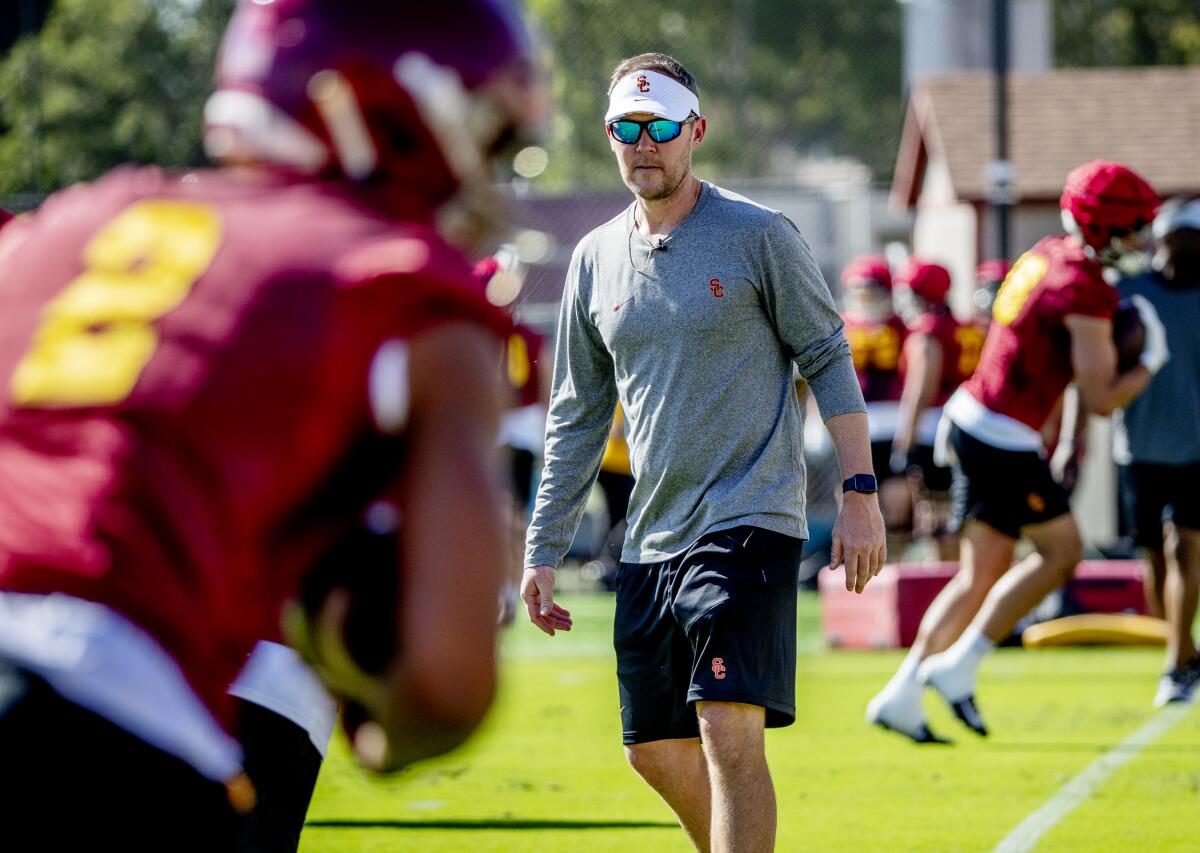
[(945, 231)]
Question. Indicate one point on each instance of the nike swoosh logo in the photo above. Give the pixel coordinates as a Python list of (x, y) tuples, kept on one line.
[(623, 304)]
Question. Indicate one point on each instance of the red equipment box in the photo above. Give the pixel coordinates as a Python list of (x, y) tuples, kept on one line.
[(889, 611)]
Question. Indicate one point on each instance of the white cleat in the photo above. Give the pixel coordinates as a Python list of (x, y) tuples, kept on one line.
[(899, 710), (956, 687), (1178, 685)]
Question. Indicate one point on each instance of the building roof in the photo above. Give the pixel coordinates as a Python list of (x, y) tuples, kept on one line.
[(1147, 118)]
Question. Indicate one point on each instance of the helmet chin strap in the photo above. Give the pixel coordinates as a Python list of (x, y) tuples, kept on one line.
[(335, 100), (478, 209), (446, 107)]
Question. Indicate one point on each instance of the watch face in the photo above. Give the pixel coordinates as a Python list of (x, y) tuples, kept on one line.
[(860, 483)]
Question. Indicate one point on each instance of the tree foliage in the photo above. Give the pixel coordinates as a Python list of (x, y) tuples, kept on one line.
[(1127, 32), (107, 82)]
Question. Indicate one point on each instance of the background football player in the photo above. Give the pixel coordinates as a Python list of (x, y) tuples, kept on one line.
[(939, 354), (876, 335), (1052, 323), (1156, 440), (210, 378)]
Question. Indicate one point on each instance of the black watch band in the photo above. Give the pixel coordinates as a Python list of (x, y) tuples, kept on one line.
[(864, 483)]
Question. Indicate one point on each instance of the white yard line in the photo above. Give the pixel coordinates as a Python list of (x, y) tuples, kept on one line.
[(1027, 835)]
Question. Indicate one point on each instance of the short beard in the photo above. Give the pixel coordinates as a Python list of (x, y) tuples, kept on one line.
[(667, 189)]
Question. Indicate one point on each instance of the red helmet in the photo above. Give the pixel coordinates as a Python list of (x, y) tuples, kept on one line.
[(871, 268), (927, 280), (992, 270), (1106, 200), (355, 89)]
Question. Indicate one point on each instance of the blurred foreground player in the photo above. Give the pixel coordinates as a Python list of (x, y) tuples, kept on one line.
[(1052, 322), (939, 354), (1157, 443), (209, 378)]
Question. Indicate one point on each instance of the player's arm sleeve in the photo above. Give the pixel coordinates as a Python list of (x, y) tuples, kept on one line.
[(801, 307), (583, 397)]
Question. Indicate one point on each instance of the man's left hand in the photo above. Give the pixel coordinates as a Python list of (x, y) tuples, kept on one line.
[(859, 540)]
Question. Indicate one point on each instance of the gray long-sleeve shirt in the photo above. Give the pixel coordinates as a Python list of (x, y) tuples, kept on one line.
[(696, 339)]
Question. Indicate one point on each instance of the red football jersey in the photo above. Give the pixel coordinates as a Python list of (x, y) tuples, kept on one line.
[(1026, 360), (185, 422), (960, 343), (877, 349)]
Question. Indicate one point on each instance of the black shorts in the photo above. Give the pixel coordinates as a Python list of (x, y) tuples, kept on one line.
[(1007, 489), (1152, 494), (881, 459), (520, 467), (716, 623), (283, 764), (934, 478), (74, 781)]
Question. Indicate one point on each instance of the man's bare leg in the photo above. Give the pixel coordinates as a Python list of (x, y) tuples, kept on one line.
[(986, 555), (677, 771), (743, 798), (953, 672), (1182, 551), (1155, 582)]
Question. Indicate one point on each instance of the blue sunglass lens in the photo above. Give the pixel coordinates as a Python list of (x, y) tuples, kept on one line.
[(626, 131), (660, 130), (664, 130)]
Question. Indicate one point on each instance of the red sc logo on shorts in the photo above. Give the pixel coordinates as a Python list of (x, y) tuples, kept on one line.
[(718, 289), (718, 668)]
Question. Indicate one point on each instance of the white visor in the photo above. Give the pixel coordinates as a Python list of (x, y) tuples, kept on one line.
[(654, 93)]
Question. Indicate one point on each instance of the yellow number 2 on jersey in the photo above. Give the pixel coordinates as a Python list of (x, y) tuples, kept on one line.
[(97, 335), (1025, 275)]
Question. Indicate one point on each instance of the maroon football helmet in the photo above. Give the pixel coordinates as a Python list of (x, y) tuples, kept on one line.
[(927, 280), (872, 269), (1103, 201), (418, 93)]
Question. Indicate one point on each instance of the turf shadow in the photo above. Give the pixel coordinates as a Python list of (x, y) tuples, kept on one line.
[(490, 824)]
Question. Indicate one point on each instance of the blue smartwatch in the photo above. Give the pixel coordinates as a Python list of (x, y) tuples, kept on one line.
[(864, 483)]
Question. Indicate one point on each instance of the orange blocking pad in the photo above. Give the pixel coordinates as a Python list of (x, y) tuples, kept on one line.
[(889, 611)]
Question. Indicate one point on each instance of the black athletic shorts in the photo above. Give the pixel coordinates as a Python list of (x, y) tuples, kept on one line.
[(73, 781), (934, 477), (1007, 489), (283, 764), (520, 466), (881, 459), (1152, 494), (716, 623)]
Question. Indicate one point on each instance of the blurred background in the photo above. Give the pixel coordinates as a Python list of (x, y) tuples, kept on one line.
[(873, 124)]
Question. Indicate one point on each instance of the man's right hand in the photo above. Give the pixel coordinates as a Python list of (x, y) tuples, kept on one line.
[(537, 591)]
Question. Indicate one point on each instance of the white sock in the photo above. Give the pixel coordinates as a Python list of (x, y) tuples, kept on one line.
[(906, 675), (956, 669)]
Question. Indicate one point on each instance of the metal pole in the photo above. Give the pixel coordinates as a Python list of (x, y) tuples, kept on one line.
[(1001, 169)]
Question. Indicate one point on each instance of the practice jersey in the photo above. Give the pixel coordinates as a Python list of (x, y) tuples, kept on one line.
[(1026, 360), (185, 421), (960, 344), (877, 349)]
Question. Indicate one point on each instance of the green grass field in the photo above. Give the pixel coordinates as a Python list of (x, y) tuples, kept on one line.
[(547, 771)]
